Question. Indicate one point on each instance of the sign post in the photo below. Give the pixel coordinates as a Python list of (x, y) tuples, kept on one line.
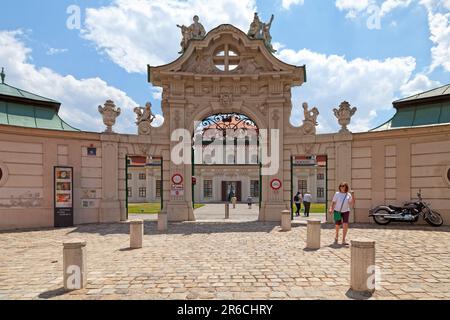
[(63, 201)]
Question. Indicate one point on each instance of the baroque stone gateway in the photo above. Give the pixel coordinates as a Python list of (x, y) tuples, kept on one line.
[(224, 78)]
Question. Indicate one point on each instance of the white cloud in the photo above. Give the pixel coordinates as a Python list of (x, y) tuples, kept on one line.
[(357, 8), (370, 85), (79, 97), (286, 4), (390, 5), (134, 33), (55, 51), (356, 5), (419, 84), (439, 24), (157, 93)]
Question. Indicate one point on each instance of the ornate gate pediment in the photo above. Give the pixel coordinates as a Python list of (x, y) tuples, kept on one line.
[(226, 51)]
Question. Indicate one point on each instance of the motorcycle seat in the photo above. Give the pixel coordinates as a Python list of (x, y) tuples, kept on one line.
[(396, 208)]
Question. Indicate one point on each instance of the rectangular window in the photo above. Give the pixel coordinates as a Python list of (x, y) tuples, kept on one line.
[(303, 186), (142, 176), (142, 192), (129, 192), (254, 188), (129, 176), (158, 188), (207, 188), (320, 192), (320, 176)]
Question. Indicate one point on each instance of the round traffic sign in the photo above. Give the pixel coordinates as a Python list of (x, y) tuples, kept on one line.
[(177, 178), (275, 184)]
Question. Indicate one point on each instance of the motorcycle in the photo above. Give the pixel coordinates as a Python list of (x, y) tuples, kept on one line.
[(410, 212)]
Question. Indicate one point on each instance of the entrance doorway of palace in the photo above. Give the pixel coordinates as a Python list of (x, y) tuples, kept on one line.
[(144, 186), (226, 164), (309, 176)]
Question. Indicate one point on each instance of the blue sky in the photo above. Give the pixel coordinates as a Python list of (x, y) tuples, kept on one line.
[(107, 57)]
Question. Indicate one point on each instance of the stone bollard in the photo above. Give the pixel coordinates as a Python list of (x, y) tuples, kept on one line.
[(136, 234), (313, 234), (362, 266), (74, 265), (227, 211), (162, 221), (286, 221)]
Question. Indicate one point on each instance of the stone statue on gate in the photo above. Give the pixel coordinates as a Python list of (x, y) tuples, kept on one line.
[(261, 30), (145, 118), (344, 115), (266, 35), (110, 113), (255, 28), (194, 31), (310, 123)]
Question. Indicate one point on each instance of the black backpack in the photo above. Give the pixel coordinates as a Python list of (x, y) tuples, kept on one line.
[(296, 198)]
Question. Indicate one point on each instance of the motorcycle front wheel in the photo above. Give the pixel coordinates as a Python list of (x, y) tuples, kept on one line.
[(382, 221), (434, 218)]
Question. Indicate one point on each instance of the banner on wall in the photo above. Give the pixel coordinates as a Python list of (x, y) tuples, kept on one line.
[(63, 191)]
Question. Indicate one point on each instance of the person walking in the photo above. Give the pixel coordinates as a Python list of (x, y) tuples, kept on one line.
[(340, 207), (298, 203), (249, 201), (307, 199)]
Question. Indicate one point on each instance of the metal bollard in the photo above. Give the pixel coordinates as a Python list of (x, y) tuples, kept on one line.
[(362, 270), (162, 221), (74, 265), (313, 234), (136, 234), (227, 211), (286, 222)]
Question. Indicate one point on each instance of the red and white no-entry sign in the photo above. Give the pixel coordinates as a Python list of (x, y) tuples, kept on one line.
[(275, 184), (177, 178)]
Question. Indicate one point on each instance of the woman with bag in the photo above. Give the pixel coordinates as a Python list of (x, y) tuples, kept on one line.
[(340, 208)]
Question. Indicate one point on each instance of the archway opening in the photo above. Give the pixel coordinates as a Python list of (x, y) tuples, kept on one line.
[(309, 185), (144, 186), (226, 167)]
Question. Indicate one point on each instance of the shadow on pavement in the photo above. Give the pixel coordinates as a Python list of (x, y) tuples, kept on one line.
[(358, 295), (53, 293), (184, 228)]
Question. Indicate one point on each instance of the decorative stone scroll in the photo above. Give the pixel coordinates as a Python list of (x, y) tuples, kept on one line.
[(110, 113), (344, 115), (145, 118)]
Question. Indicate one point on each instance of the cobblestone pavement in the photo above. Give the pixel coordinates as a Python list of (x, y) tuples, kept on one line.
[(246, 260)]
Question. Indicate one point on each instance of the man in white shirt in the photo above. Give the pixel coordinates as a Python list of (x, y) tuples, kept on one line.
[(307, 199)]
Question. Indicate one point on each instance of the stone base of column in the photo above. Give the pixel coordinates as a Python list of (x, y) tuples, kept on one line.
[(110, 211), (362, 266), (74, 265), (270, 212), (136, 234), (180, 212)]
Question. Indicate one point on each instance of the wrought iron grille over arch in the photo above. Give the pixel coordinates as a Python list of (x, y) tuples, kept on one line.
[(229, 121), (230, 130)]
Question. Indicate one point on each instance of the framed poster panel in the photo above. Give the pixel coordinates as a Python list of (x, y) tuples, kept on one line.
[(63, 200)]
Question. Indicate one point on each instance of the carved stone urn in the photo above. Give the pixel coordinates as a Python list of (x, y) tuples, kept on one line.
[(110, 113), (344, 115)]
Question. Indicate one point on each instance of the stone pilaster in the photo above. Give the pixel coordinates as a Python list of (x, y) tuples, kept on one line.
[(110, 204)]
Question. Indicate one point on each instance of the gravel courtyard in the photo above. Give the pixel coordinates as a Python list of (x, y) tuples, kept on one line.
[(224, 260)]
